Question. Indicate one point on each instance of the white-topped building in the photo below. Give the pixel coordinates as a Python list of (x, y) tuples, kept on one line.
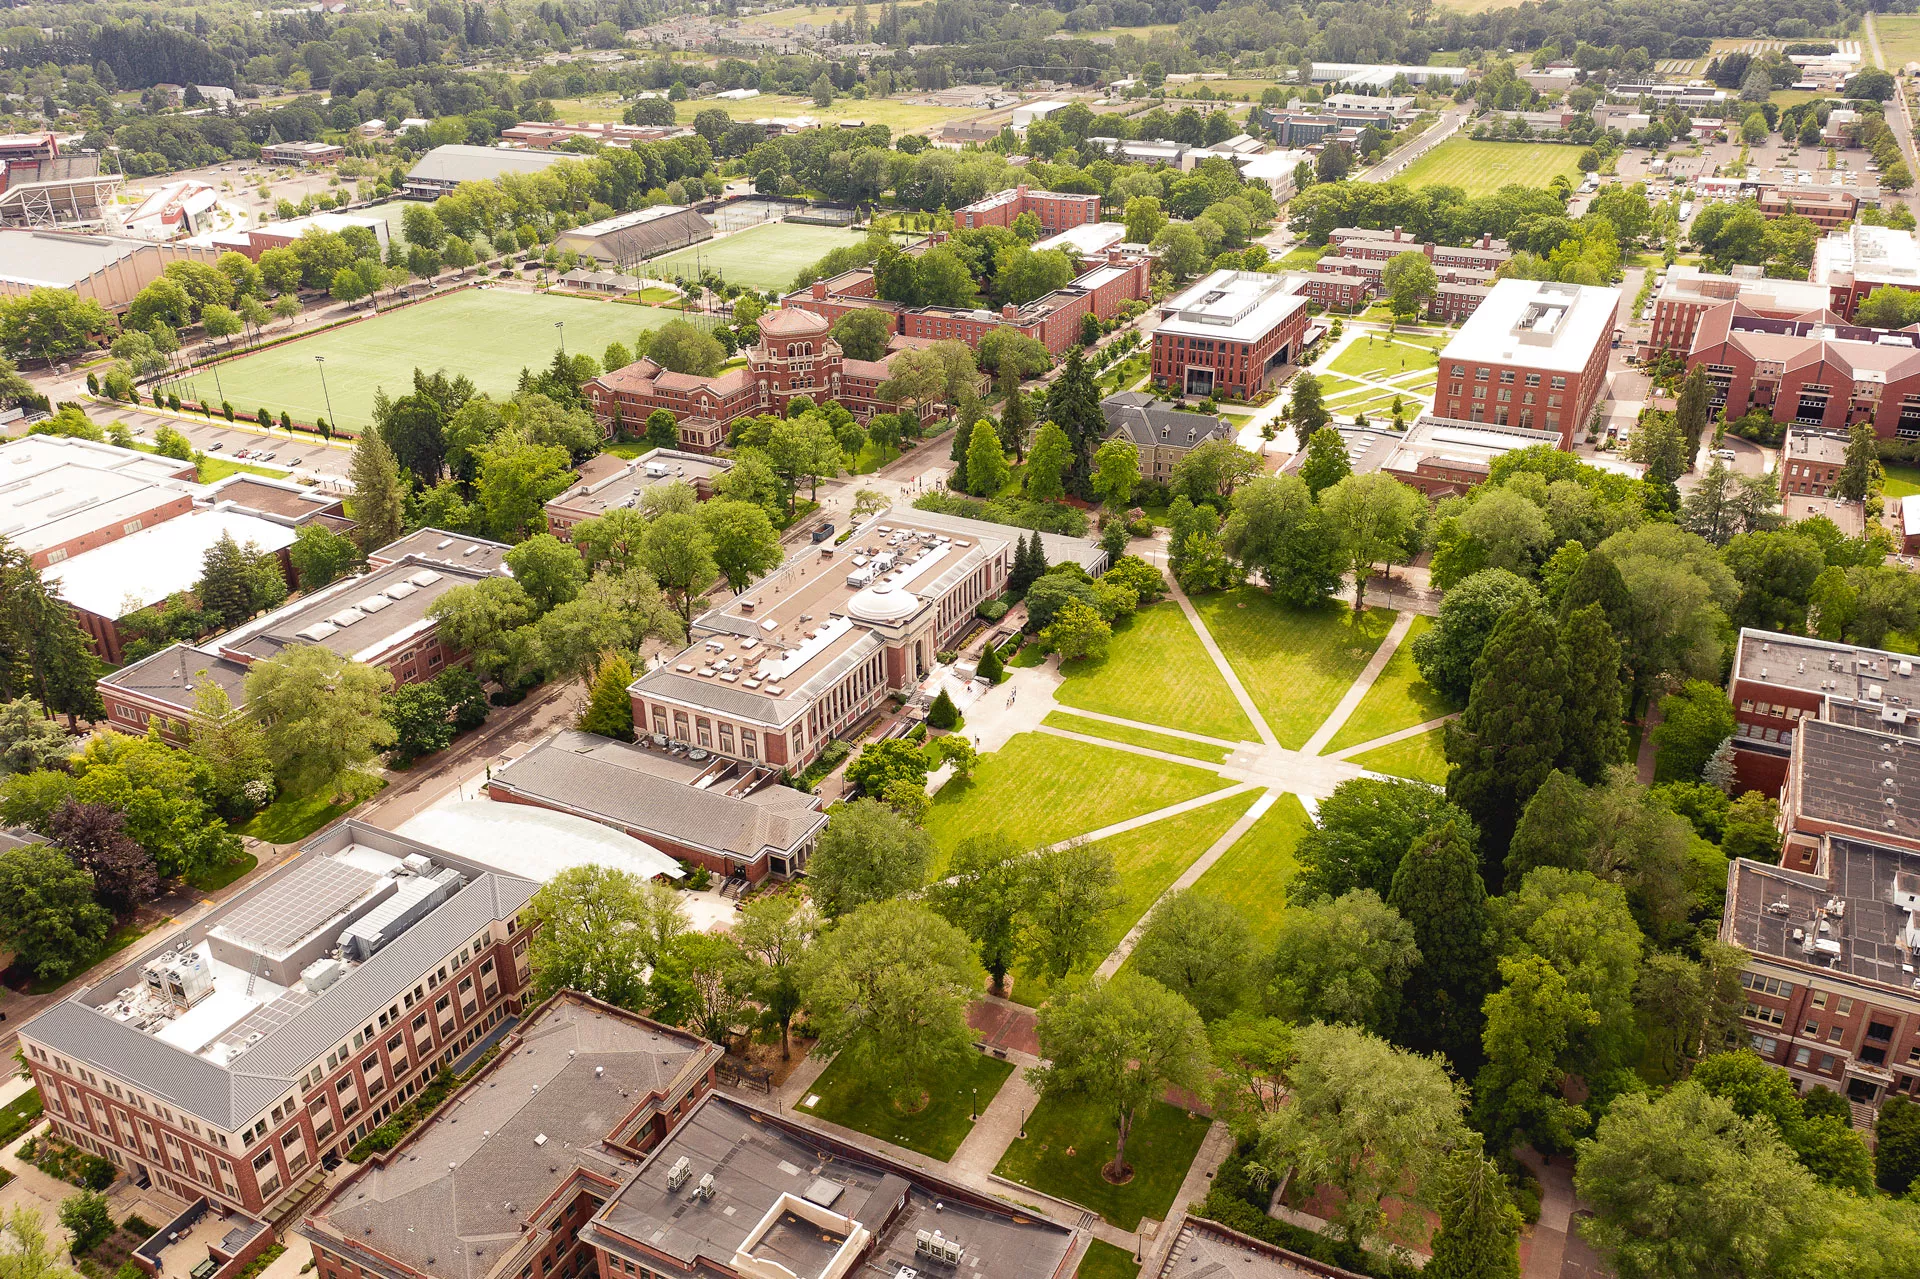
[(1533, 355), (1229, 333), (1852, 263)]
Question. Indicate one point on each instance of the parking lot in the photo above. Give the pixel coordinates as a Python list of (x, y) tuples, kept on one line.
[(302, 456)]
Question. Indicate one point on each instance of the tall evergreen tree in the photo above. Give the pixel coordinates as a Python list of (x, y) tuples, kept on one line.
[(379, 507), (1437, 888), (609, 709), (1506, 741), (1025, 569), (1692, 411), (43, 651), (226, 582), (1073, 402), (1016, 419), (1598, 581), (1479, 1234), (1592, 735), (1856, 471)]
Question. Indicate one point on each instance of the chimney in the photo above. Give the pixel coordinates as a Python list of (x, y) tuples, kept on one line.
[(1008, 311), (819, 289)]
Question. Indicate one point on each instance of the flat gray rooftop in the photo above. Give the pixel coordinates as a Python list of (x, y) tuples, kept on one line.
[(1863, 778), (1816, 666), (1767, 904), (755, 1158)]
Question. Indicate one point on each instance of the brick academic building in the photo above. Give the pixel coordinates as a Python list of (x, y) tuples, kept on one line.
[(796, 356), (1054, 320)]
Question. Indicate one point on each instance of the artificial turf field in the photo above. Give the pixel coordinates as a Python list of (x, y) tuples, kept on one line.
[(1481, 168), (761, 257), (489, 335)]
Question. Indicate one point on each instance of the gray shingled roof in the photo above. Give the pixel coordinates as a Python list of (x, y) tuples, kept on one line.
[(667, 682), (452, 1200), (1136, 415), (636, 788), (171, 674)]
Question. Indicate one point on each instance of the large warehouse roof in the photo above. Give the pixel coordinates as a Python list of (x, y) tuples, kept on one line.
[(643, 233), (458, 163), (144, 568), (60, 259)]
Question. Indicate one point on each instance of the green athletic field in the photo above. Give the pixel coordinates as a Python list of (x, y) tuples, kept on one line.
[(489, 335), (762, 257), (1484, 167)]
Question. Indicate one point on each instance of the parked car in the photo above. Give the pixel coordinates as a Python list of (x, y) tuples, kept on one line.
[(216, 446)]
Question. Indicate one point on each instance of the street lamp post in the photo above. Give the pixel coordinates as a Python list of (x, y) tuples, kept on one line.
[(321, 360)]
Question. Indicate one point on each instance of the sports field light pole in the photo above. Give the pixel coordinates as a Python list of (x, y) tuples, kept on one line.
[(562, 326), (321, 360)]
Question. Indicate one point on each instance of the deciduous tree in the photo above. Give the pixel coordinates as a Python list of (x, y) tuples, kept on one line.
[(868, 853), (1200, 948), (1367, 1120), (985, 895), (322, 714), (889, 987), (48, 917), (1072, 890), (597, 934), (1342, 960), (1121, 1044)]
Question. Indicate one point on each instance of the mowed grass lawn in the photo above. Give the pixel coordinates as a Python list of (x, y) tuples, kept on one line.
[(1481, 168), (1295, 664), (1148, 860), (1378, 356), (1423, 758), (1106, 1261), (1040, 789), (487, 335), (1069, 1139), (762, 257), (1399, 699), (1899, 38), (1157, 672), (1136, 737), (1902, 481), (1254, 873), (852, 1098), (901, 117)]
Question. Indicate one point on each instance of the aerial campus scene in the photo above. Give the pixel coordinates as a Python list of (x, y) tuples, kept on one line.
[(959, 640)]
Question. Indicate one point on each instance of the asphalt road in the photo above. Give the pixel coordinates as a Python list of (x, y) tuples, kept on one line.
[(1445, 127)]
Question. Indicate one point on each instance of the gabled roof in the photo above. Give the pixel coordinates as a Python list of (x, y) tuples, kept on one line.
[(648, 791), (1137, 416)]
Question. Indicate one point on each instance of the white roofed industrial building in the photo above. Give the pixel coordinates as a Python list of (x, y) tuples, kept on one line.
[(144, 568)]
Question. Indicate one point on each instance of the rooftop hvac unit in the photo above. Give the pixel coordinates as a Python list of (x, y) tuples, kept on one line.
[(678, 1174), (938, 1247), (418, 863), (657, 470), (704, 1189), (183, 979), (322, 973)]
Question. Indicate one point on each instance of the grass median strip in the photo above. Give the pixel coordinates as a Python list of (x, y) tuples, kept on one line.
[(1136, 737)]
